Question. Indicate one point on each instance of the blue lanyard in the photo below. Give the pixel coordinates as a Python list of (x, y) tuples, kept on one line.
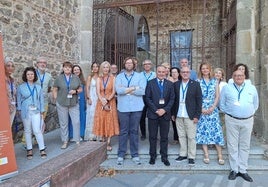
[(184, 90), (11, 88), (31, 91), (207, 86), (239, 91), (41, 79), (145, 75), (161, 87), (68, 82), (128, 79), (105, 83)]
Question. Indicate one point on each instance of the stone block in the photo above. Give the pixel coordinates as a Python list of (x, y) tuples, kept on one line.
[(244, 42), (73, 168)]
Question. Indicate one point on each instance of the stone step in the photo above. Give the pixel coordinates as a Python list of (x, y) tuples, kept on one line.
[(257, 163), (256, 166)]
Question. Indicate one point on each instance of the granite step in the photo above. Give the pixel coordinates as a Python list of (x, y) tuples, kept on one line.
[(257, 162)]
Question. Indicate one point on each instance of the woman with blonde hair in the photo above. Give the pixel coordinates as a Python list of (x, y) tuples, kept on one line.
[(106, 119), (11, 87), (209, 130), (220, 76)]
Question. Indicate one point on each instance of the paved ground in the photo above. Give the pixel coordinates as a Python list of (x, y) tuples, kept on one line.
[(160, 175), (175, 180), (53, 142)]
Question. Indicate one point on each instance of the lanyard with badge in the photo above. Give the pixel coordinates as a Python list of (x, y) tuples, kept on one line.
[(161, 87), (129, 79), (68, 82), (147, 77), (32, 106), (105, 84), (206, 99), (237, 103), (41, 79), (183, 92), (11, 86)]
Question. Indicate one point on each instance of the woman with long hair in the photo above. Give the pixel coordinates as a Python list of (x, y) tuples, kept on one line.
[(76, 70), (209, 130), (106, 119), (91, 96), (11, 87)]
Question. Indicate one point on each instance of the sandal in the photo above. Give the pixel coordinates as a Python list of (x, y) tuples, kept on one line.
[(206, 159), (43, 153), (29, 154), (220, 161)]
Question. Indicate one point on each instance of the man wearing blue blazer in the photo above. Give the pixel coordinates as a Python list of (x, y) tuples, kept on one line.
[(159, 96)]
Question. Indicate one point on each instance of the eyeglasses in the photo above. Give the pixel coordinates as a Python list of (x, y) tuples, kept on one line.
[(146, 64), (239, 75), (185, 71)]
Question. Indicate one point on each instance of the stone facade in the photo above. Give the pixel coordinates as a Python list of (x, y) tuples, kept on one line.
[(62, 30), (50, 28), (186, 15)]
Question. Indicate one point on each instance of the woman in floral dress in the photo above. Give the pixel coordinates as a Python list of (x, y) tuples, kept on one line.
[(209, 130)]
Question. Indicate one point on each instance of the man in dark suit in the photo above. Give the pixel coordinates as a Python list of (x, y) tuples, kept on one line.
[(159, 96), (186, 111)]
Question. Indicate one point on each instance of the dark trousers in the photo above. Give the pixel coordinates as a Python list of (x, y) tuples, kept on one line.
[(129, 130), (175, 134), (142, 121), (163, 125)]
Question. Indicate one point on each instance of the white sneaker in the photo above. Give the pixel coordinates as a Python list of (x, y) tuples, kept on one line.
[(136, 160), (120, 161)]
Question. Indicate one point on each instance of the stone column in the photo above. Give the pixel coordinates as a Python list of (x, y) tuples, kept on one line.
[(246, 35), (86, 19)]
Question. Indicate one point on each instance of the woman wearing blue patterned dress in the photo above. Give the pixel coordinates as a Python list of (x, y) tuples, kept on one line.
[(209, 130)]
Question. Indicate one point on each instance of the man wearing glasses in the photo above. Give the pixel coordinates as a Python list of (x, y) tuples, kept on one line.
[(185, 63), (239, 101), (149, 75), (186, 111)]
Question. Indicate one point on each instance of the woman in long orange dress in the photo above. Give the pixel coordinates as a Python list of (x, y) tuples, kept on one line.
[(106, 119)]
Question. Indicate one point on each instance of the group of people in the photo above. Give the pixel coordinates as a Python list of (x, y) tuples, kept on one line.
[(92, 109), (30, 101)]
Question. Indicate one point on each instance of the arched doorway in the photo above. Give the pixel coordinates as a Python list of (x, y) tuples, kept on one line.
[(119, 38), (142, 38)]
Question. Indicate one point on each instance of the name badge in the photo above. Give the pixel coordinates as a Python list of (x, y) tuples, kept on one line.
[(161, 101), (237, 103), (69, 96), (32, 107)]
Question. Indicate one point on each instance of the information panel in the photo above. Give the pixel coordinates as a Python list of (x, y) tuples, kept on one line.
[(8, 166)]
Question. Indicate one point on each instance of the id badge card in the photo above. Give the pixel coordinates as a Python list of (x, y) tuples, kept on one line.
[(32, 107), (237, 103), (161, 101), (69, 96)]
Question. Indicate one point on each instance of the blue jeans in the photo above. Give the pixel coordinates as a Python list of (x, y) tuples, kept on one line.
[(129, 128)]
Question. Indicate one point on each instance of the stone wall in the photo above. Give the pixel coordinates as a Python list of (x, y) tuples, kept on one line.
[(261, 72), (49, 28), (42, 27)]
